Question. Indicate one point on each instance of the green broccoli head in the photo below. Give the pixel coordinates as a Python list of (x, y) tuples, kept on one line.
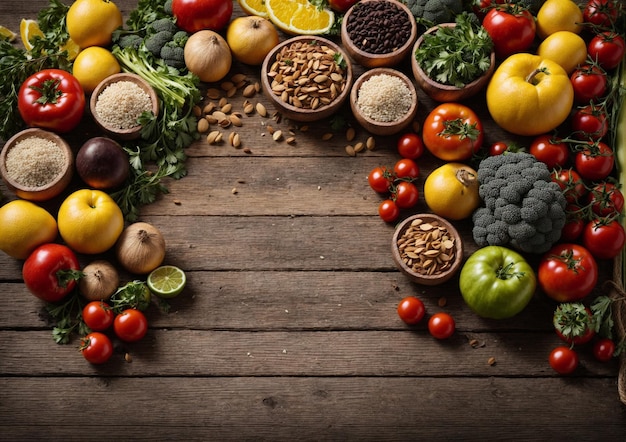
[(523, 208), (173, 56), (155, 42), (435, 11), (162, 24), (130, 41)]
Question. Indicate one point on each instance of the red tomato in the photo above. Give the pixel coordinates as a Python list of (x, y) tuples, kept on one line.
[(589, 82), (380, 179), (452, 132), (595, 162), (411, 310), (607, 49), (601, 13), (571, 183), (410, 145), (606, 199), (196, 15), (406, 168), (98, 315), (574, 323), (590, 122), (512, 29), (406, 195), (563, 360), (603, 349), (604, 238), (388, 211), (341, 5), (498, 148), (96, 348), (549, 150), (441, 325), (51, 99), (574, 224), (567, 272), (50, 272), (131, 325)]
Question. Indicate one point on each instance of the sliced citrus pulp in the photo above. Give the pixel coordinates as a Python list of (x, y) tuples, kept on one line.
[(299, 17), (7, 34), (29, 29), (253, 7), (166, 281)]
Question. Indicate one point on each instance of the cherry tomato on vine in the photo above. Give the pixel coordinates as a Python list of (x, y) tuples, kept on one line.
[(406, 194), (603, 349), (607, 49), (388, 211), (567, 272), (549, 150), (595, 162), (563, 360), (604, 238), (406, 168), (98, 315), (590, 82), (590, 123), (601, 12), (410, 146), (411, 310), (96, 348), (606, 199), (441, 325), (574, 223), (131, 325), (571, 183), (380, 179)]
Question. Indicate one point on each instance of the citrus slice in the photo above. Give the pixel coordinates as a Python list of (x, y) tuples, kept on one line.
[(72, 49), (29, 29), (299, 17), (166, 281), (253, 7), (7, 34)]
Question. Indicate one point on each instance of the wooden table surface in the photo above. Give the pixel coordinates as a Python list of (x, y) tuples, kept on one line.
[(287, 329)]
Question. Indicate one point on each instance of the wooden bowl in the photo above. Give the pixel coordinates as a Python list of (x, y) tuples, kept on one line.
[(443, 92), (370, 59), (447, 258), (115, 132), (289, 108), (52, 188), (381, 127)]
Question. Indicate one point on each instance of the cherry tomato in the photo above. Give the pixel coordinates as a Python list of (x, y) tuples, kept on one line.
[(563, 360), (50, 272), (595, 162), (498, 148), (411, 310), (441, 325), (601, 13), (511, 29), (96, 348), (131, 325), (603, 349), (98, 315), (567, 272), (406, 168), (574, 224), (606, 199), (571, 183), (452, 132), (410, 146), (604, 238), (196, 15), (607, 49), (388, 211), (590, 123), (549, 150), (380, 179), (406, 194), (589, 82)]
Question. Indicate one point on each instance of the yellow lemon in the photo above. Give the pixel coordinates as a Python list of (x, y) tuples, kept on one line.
[(299, 17), (559, 15), (451, 191), (253, 7), (25, 226), (29, 29), (7, 34), (565, 48), (92, 65), (92, 22)]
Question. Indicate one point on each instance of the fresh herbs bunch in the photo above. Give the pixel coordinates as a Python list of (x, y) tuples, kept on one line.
[(456, 55)]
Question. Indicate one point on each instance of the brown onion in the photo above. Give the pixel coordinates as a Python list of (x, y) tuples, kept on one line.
[(100, 280), (140, 248), (208, 56)]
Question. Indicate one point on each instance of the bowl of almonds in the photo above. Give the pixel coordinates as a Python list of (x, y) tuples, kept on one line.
[(427, 248), (307, 78)]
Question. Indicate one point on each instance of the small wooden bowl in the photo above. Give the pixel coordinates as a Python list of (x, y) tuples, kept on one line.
[(436, 277), (56, 185), (122, 134), (369, 59), (304, 114), (443, 92), (381, 127)]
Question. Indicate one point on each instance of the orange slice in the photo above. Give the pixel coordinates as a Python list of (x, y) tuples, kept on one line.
[(299, 17), (29, 29), (254, 7), (72, 49)]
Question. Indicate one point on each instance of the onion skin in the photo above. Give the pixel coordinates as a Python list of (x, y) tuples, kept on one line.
[(99, 282), (208, 55), (140, 248)]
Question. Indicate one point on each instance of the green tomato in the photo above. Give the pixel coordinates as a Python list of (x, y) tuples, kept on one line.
[(497, 282)]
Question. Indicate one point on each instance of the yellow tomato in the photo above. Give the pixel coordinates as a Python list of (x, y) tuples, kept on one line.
[(92, 22), (559, 15), (25, 226), (90, 221), (451, 191), (251, 38), (92, 65), (529, 95), (565, 48)]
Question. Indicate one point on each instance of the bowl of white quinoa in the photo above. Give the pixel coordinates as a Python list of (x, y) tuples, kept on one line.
[(36, 164), (383, 101), (117, 103)]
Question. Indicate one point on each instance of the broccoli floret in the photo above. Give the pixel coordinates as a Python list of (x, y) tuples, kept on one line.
[(434, 12), (162, 24), (130, 41), (155, 42), (173, 56), (527, 210), (167, 7)]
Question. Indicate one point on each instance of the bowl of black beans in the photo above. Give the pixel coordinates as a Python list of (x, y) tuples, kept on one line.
[(378, 33)]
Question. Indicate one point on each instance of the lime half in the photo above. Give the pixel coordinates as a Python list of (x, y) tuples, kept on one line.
[(166, 281)]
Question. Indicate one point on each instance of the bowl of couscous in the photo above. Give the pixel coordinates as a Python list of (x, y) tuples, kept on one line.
[(36, 164), (383, 101), (117, 103)]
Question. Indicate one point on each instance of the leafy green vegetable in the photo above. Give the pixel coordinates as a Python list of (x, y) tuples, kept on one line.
[(434, 12)]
